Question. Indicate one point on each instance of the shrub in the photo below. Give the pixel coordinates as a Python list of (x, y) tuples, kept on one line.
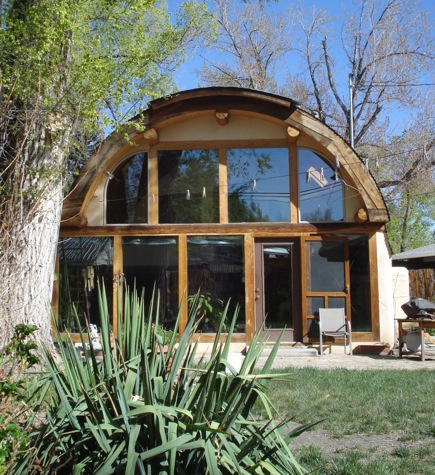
[(144, 410), (15, 358)]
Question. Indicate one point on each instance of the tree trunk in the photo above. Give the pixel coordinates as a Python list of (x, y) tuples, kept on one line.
[(31, 207)]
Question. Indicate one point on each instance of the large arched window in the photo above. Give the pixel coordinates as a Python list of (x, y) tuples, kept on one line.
[(127, 192), (320, 189)]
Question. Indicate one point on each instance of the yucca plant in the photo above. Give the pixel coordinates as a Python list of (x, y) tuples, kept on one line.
[(146, 408)]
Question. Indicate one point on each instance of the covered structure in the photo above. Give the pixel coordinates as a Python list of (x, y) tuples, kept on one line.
[(420, 263), (233, 194)]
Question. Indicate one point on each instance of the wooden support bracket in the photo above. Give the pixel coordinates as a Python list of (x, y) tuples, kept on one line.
[(361, 216), (78, 221), (222, 117), (151, 136), (292, 134)]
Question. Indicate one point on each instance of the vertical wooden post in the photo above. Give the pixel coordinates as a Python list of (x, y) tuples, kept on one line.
[(153, 195), (294, 183), (249, 258), (182, 281), (117, 297), (374, 284), (223, 187)]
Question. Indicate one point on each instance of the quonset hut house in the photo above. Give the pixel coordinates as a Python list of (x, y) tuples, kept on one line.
[(233, 194)]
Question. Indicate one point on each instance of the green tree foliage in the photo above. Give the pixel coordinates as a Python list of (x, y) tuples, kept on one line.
[(68, 70)]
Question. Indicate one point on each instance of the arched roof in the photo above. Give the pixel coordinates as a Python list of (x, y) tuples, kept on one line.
[(219, 100)]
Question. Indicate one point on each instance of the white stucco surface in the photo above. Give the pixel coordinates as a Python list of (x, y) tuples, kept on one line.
[(386, 290)]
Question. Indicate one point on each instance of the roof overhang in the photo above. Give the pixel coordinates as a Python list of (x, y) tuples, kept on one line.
[(420, 258)]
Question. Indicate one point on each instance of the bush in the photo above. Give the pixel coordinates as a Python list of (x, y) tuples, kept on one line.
[(15, 358), (144, 410)]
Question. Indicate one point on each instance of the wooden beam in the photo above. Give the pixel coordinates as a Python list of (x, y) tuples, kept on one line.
[(222, 117), (78, 221), (223, 188), (292, 134), (151, 136), (374, 284), (153, 187), (182, 282), (118, 272), (361, 216), (294, 183), (377, 215), (249, 273)]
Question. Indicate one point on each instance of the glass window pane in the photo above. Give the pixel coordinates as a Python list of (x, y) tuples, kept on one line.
[(215, 271), (188, 186), (83, 262), (277, 268), (336, 302), (258, 185), (313, 305), (127, 192), (153, 262), (320, 193), (325, 262), (360, 283)]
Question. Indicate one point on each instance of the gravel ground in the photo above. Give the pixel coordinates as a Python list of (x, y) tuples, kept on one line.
[(358, 362), (376, 445)]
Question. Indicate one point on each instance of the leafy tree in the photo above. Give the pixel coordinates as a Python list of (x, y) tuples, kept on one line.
[(68, 69)]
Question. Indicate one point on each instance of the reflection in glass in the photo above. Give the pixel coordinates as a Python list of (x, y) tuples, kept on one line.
[(127, 192), (313, 305), (360, 283), (320, 190), (188, 186), (152, 262), (277, 268), (336, 302), (83, 263), (258, 185), (325, 261), (215, 272)]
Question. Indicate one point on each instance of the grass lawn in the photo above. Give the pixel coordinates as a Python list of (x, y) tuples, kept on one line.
[(363, 404)]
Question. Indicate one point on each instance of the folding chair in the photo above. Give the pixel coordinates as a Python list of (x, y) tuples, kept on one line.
[(333, 323)]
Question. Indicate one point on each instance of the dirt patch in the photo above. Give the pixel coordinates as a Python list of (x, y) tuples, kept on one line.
[(331, 447)]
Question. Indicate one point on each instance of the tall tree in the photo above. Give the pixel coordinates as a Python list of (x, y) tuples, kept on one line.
[(248, 47), (378, 66), (67, 68)]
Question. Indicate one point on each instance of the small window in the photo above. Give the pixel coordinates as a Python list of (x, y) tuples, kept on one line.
[(188, 186), (258, 185), (320, 189), (84, 262), (127, 192)]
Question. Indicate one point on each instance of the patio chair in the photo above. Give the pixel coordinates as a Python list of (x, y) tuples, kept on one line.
[(333, 323)]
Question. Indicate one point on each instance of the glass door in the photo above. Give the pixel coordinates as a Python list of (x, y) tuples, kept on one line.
[(276, 288), (326, 283)]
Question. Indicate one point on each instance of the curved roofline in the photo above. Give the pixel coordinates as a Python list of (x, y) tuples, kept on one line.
[(221, 90), (262, 103)]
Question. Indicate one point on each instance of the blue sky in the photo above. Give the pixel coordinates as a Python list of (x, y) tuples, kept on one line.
[(186, 78)]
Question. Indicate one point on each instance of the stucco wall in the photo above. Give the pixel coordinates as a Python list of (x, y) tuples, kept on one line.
[(386, 290)]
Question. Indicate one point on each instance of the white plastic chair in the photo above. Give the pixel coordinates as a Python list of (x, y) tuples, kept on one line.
[(333, 323)]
